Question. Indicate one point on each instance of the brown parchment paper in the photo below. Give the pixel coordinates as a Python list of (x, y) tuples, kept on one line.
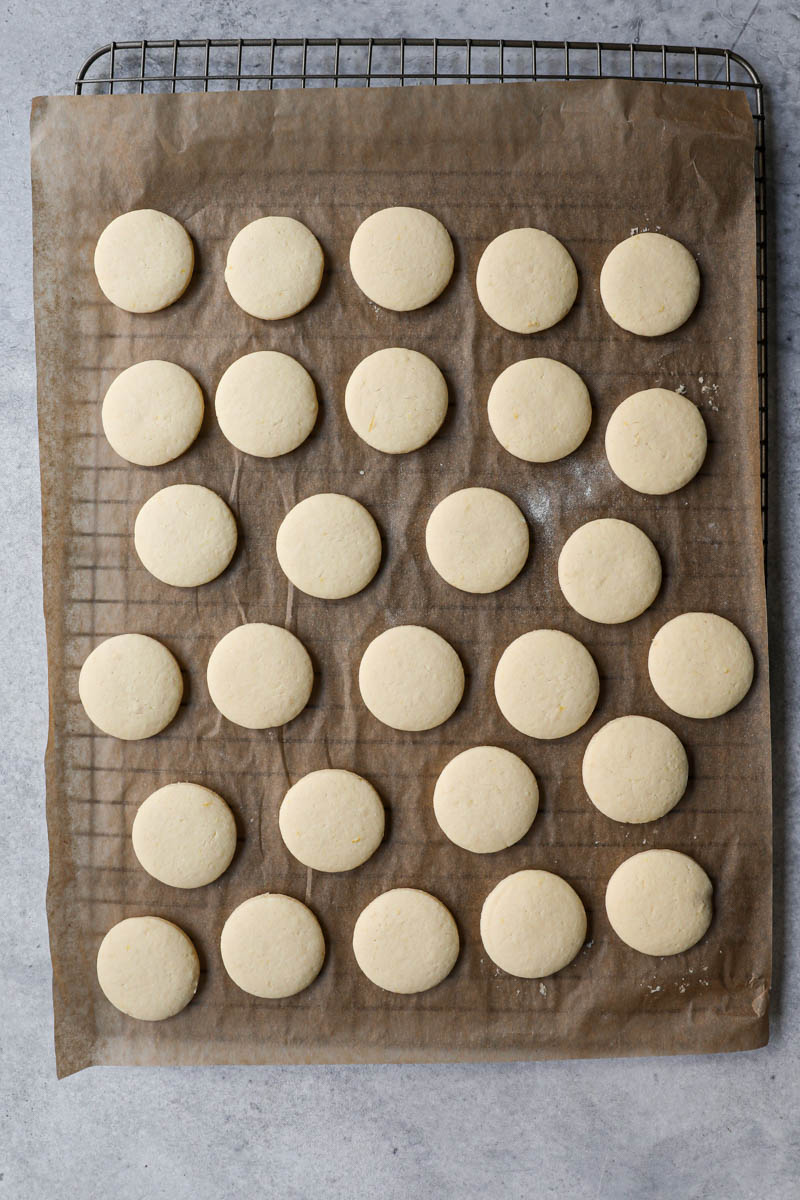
[(590, 162)]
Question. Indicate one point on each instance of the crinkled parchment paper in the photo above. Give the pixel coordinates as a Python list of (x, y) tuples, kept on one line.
[(590, 162)]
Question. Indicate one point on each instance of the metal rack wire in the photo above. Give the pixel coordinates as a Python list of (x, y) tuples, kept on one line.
[(240, 64)]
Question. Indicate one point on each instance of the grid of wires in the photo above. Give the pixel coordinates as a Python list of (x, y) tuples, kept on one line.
[(243, 64)]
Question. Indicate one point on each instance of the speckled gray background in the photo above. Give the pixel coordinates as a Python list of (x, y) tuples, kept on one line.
[(723, 1127)]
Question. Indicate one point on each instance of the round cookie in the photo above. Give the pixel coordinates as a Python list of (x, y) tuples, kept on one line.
[(405, 941), (649, 284), (532, 924), (266, 403), (184, 835), (274, 267), (609, 571), (477, 540), (656, 441), (659, 902), (546, 684), (401, 258), (130, 686), (152, 412), (396, 400), (332, 820), (272, 946), (329, 546), (411, 678), (635, 770), (700, 665), (260, 676), (526, 280), (539, 409), (148, 968), (185, 535), (143, 261), (486, 799)]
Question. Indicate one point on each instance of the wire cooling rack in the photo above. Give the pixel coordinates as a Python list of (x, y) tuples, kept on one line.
[(242, 64)]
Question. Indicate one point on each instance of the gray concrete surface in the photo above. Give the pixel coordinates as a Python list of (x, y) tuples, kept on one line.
[(724, 1127)]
